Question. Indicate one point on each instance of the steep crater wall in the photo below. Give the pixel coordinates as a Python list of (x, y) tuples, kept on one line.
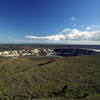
[(47, 52)]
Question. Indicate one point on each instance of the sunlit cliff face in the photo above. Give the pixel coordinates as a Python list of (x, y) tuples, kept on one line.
[(47, 52)]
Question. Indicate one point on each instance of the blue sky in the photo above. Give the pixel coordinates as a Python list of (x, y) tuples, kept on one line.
[(50, 21)]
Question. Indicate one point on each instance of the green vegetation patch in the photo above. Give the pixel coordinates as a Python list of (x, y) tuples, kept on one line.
[(41, 78)]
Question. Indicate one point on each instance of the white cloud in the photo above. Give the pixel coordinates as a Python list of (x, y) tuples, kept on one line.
[(88, 28), (92, 27), (73, 18), (75, 34), (52, 37), (68, 34)]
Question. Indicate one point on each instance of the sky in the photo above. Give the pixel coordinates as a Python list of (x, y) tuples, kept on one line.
[(50, 21)]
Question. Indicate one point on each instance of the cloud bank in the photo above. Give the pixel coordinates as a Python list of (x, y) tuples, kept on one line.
[(69, 34)]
